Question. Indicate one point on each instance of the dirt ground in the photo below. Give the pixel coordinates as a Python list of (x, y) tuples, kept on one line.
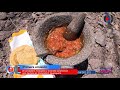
[(106, 52)]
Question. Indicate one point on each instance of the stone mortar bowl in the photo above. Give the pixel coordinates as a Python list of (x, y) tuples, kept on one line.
[(59, 19)]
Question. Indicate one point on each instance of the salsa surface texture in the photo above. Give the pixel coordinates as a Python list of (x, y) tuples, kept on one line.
[(59, 46)]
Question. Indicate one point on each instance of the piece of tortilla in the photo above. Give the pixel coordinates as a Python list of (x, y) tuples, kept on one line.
[(24, 54)]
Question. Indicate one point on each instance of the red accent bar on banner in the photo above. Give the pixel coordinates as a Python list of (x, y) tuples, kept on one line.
[(61, 71), (69, 72)]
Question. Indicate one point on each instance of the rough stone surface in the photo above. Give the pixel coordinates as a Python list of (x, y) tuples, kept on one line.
[(100, 37), (57, 20), (3, 15), (4, 34)]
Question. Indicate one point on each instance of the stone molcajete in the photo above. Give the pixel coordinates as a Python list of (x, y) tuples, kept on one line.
[(61, 19)]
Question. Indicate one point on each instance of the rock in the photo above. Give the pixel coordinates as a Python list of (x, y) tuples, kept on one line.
[(97, 57), (8, 23), (2, 68), (25, 14), (117, 38), (57, 20), (11, 15), (10, 76), (95, 63), (4, 34), (1, 45), (1, 54), (1, 63), (49, 13), (9, 26), (3, 15), (100, 37), (111, 55), (2, 23)]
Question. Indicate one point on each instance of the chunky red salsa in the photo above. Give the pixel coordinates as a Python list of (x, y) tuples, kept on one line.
[(59, 46)]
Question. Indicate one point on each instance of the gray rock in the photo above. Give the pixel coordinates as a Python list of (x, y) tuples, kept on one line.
[(100, 37), (3, 15), (97, 57), (9, 26), (1, 63), (8, 23), (111, 55), (2, 24), (117, 42), (49, 13), (4, 34), (1, 54), (11, 14), (95, 63)]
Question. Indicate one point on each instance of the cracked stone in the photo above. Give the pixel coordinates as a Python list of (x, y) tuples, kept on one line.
[(117, 41), (116, 27), (109, 45), (97, 57), (3, 68), (8, 23), (4, 75)]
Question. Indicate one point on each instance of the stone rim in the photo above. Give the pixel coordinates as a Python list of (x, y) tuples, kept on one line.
[(76, 59)]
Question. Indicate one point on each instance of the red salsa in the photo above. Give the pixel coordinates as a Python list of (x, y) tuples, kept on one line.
[(59, 46)]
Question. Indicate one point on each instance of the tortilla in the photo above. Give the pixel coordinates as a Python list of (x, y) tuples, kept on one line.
[(24, 54)]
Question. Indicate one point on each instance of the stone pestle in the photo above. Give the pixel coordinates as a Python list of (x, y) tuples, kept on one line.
[(74, 29)]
